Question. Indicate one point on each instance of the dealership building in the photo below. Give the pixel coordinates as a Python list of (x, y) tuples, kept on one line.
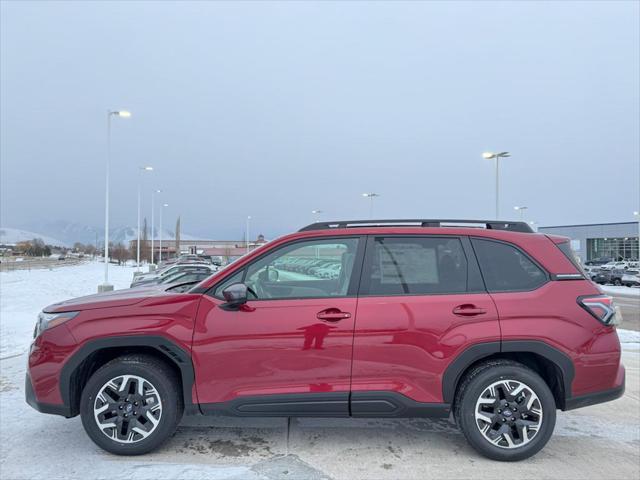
[(617, 241)]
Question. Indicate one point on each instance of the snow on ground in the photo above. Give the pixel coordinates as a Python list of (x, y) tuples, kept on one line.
[(626, 291), (24, 293)]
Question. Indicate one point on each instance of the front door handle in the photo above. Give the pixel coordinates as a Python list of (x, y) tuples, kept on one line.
[(333, 315), (468, 310)]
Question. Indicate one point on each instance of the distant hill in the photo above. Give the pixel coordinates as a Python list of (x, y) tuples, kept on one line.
[(67, 233), (14, 235)]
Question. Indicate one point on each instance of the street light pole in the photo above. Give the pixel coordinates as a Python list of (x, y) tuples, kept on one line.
[(105, 287), (141, 171), (497, 156), (160, 249), (521, 210), (371, 196), (637, 215), (153, 211), (317, 213), (246, 232)]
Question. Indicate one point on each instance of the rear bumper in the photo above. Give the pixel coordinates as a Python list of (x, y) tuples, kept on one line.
[(597, 397), (31, 399)]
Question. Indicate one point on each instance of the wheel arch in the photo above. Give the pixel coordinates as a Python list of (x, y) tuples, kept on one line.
[(554, 366), (95, 353)]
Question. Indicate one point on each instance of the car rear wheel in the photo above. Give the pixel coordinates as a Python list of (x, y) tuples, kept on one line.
[(505, 410), (131, 405)]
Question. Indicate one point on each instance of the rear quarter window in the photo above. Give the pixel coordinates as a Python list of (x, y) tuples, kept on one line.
[(506, 268)]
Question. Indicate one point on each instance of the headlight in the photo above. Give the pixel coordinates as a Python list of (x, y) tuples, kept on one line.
[(48, 320)]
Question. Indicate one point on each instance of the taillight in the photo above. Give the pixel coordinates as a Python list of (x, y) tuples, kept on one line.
[(602, 308)]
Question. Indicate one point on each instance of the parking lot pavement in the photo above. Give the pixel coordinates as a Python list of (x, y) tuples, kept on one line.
[(597, 442)]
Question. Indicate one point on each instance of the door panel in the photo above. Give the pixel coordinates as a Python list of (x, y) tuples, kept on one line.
[(272, 347), (405, 343), (422, 303)]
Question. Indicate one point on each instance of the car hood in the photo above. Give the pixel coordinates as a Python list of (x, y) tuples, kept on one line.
[(116, 298)]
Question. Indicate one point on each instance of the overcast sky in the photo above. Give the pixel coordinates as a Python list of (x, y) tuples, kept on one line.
[(275, 109)]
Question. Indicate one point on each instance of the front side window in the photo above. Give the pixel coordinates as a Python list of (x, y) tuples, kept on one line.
[(309, 269), (417, 266), (505, 268)]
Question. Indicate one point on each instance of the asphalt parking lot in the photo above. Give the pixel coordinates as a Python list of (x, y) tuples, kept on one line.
[(597, 442)]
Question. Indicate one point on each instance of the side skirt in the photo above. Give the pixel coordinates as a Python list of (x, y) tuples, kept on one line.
[(330, 404)]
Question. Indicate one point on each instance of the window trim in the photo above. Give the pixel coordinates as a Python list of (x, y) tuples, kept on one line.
[(354, 281), (475, 281), (546, 273)]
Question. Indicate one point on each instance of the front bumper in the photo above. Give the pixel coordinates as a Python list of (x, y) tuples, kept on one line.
[(31, 399)]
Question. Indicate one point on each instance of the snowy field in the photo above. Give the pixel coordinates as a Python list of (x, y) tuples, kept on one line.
[(24, 293), (595, 442)]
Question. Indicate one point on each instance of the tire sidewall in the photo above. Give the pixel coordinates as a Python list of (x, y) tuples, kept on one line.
[(158, 378), (468, 406)]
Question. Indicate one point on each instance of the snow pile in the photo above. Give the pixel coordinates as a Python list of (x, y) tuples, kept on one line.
[(24, 293)]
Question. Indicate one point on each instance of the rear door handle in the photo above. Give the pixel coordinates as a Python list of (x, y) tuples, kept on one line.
[(332, 315), (468, 310)]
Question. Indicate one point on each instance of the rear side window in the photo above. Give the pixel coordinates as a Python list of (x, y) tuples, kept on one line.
[(571, 255), (506, 268), (417, 265)]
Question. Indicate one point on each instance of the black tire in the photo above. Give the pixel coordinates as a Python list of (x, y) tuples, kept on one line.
[(474, 384), (160, 376), (617, 282)]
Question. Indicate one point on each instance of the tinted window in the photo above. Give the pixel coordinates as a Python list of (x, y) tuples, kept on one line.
[(571, 255), (315, 268), (506, 268), (417, 265)]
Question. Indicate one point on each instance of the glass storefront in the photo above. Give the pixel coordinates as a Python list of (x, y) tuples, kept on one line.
[(614, 248)]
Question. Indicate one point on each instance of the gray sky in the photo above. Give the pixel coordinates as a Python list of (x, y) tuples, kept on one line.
[(275, 109)]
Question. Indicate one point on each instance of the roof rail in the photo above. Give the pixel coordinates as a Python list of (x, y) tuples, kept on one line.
[(421, 222)]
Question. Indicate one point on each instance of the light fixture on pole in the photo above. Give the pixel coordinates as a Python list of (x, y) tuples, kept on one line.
[(153, 211), (317, 213), (497, 156), (521, 210), (105, 287), (160, 246), (246, 233), (141, 171), (371, 196)]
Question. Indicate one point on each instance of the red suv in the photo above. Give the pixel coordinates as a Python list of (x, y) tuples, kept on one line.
[(485, 321)]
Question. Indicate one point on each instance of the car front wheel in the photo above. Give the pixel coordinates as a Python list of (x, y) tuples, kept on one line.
[(505, 410), (131, 405)]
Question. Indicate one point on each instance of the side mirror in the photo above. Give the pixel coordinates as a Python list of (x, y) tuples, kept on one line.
[(234, 295), (272, 274)]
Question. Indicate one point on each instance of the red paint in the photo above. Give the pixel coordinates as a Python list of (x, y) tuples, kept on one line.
[(395, 343)]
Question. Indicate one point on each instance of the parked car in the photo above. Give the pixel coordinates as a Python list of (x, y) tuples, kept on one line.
[(611, 277), (152, 277), (180, 275), (620, 265), (631, 278), (496, 326)]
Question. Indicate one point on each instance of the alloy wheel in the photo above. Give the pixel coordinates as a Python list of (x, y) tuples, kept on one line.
[(127, 408), (508, 414)]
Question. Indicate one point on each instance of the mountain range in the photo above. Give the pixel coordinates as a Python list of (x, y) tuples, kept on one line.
[(64, 233)]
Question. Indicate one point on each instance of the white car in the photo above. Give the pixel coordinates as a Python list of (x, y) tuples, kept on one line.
[(631, 278), (615, 266)]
